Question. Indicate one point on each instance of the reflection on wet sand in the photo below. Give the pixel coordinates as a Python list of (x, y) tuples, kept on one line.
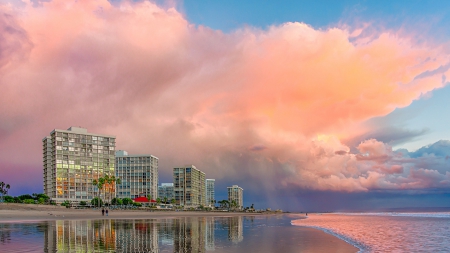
[(189, 234), (183, 234)]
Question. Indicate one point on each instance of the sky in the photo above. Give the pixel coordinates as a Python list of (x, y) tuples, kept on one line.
[(307, 105)]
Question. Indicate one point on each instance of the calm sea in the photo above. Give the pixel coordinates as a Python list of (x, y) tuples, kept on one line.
[(386, 232), (225, 234)]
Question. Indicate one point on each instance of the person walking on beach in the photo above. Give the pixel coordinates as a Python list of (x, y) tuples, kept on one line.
[(106, 212), (103, 211)]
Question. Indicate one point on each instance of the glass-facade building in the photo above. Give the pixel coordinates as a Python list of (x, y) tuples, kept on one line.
[(210, 192), (189, 186), (236, 193), (72, 159), (138, 175)]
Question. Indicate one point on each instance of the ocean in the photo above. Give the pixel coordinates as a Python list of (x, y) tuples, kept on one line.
[(386, 232)]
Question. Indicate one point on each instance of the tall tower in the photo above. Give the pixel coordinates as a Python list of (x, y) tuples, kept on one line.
[(236, 193), (210, 192), (189, 186), (72, 159), (138, 175)]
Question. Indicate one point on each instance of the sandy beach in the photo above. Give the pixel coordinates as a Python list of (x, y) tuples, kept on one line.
[(13, 212)]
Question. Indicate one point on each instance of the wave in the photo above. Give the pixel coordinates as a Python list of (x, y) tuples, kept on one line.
[(395, 214), (359, 245)]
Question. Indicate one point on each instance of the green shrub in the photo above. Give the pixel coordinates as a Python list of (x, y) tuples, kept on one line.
[(116, 201), (9, 199), (66, 203), (28, 201), (127, 201), (96, 202), (24, 197)]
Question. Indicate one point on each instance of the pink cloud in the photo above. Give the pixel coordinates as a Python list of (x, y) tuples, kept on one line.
[(192, 95)]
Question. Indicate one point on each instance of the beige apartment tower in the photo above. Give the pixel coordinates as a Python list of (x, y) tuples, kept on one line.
[(236, 193), (189, 186), (138, 175), (72, 159), (210, 194)]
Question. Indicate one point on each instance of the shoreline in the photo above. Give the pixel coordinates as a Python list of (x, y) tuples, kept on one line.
[(14, 212), (29, 213)]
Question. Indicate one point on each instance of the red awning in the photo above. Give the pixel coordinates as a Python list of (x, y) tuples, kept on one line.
[(144, 200), (141, 199)]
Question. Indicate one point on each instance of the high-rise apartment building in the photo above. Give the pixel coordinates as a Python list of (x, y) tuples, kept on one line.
[(210, 192), (189, 186), (165, 190), (236, 193), (72, 159), (138, 175)]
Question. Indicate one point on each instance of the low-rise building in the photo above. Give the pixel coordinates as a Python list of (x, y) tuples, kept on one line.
[(165, 190)]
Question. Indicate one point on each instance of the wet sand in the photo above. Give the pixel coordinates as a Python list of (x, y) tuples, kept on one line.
[(266, 238)]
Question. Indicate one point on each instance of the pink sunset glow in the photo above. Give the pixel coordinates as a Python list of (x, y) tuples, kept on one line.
[(251, 105)]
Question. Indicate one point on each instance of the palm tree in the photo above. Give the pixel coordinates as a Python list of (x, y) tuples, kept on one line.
[(233, 204), (224, 203), (118, 181), (109, 181), (165, 200), (106, 179), (99, 183), (95, 183), (227, 204), (3, 189)]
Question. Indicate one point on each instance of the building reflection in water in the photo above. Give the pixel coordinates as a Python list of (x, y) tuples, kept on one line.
[(102, 235), (235, 228), (136, 236), (186, 234), (82, 235), (209, 234), (189, 235)]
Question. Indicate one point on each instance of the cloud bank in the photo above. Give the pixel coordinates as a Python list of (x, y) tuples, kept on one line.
[(266, 109)]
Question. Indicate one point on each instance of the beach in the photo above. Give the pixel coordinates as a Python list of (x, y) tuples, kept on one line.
[(222, 231), (13, 212)]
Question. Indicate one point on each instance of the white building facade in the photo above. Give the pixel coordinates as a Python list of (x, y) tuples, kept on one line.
[(72, 159), (138, 175), (236, 193), (210, 194), (189, 186)]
